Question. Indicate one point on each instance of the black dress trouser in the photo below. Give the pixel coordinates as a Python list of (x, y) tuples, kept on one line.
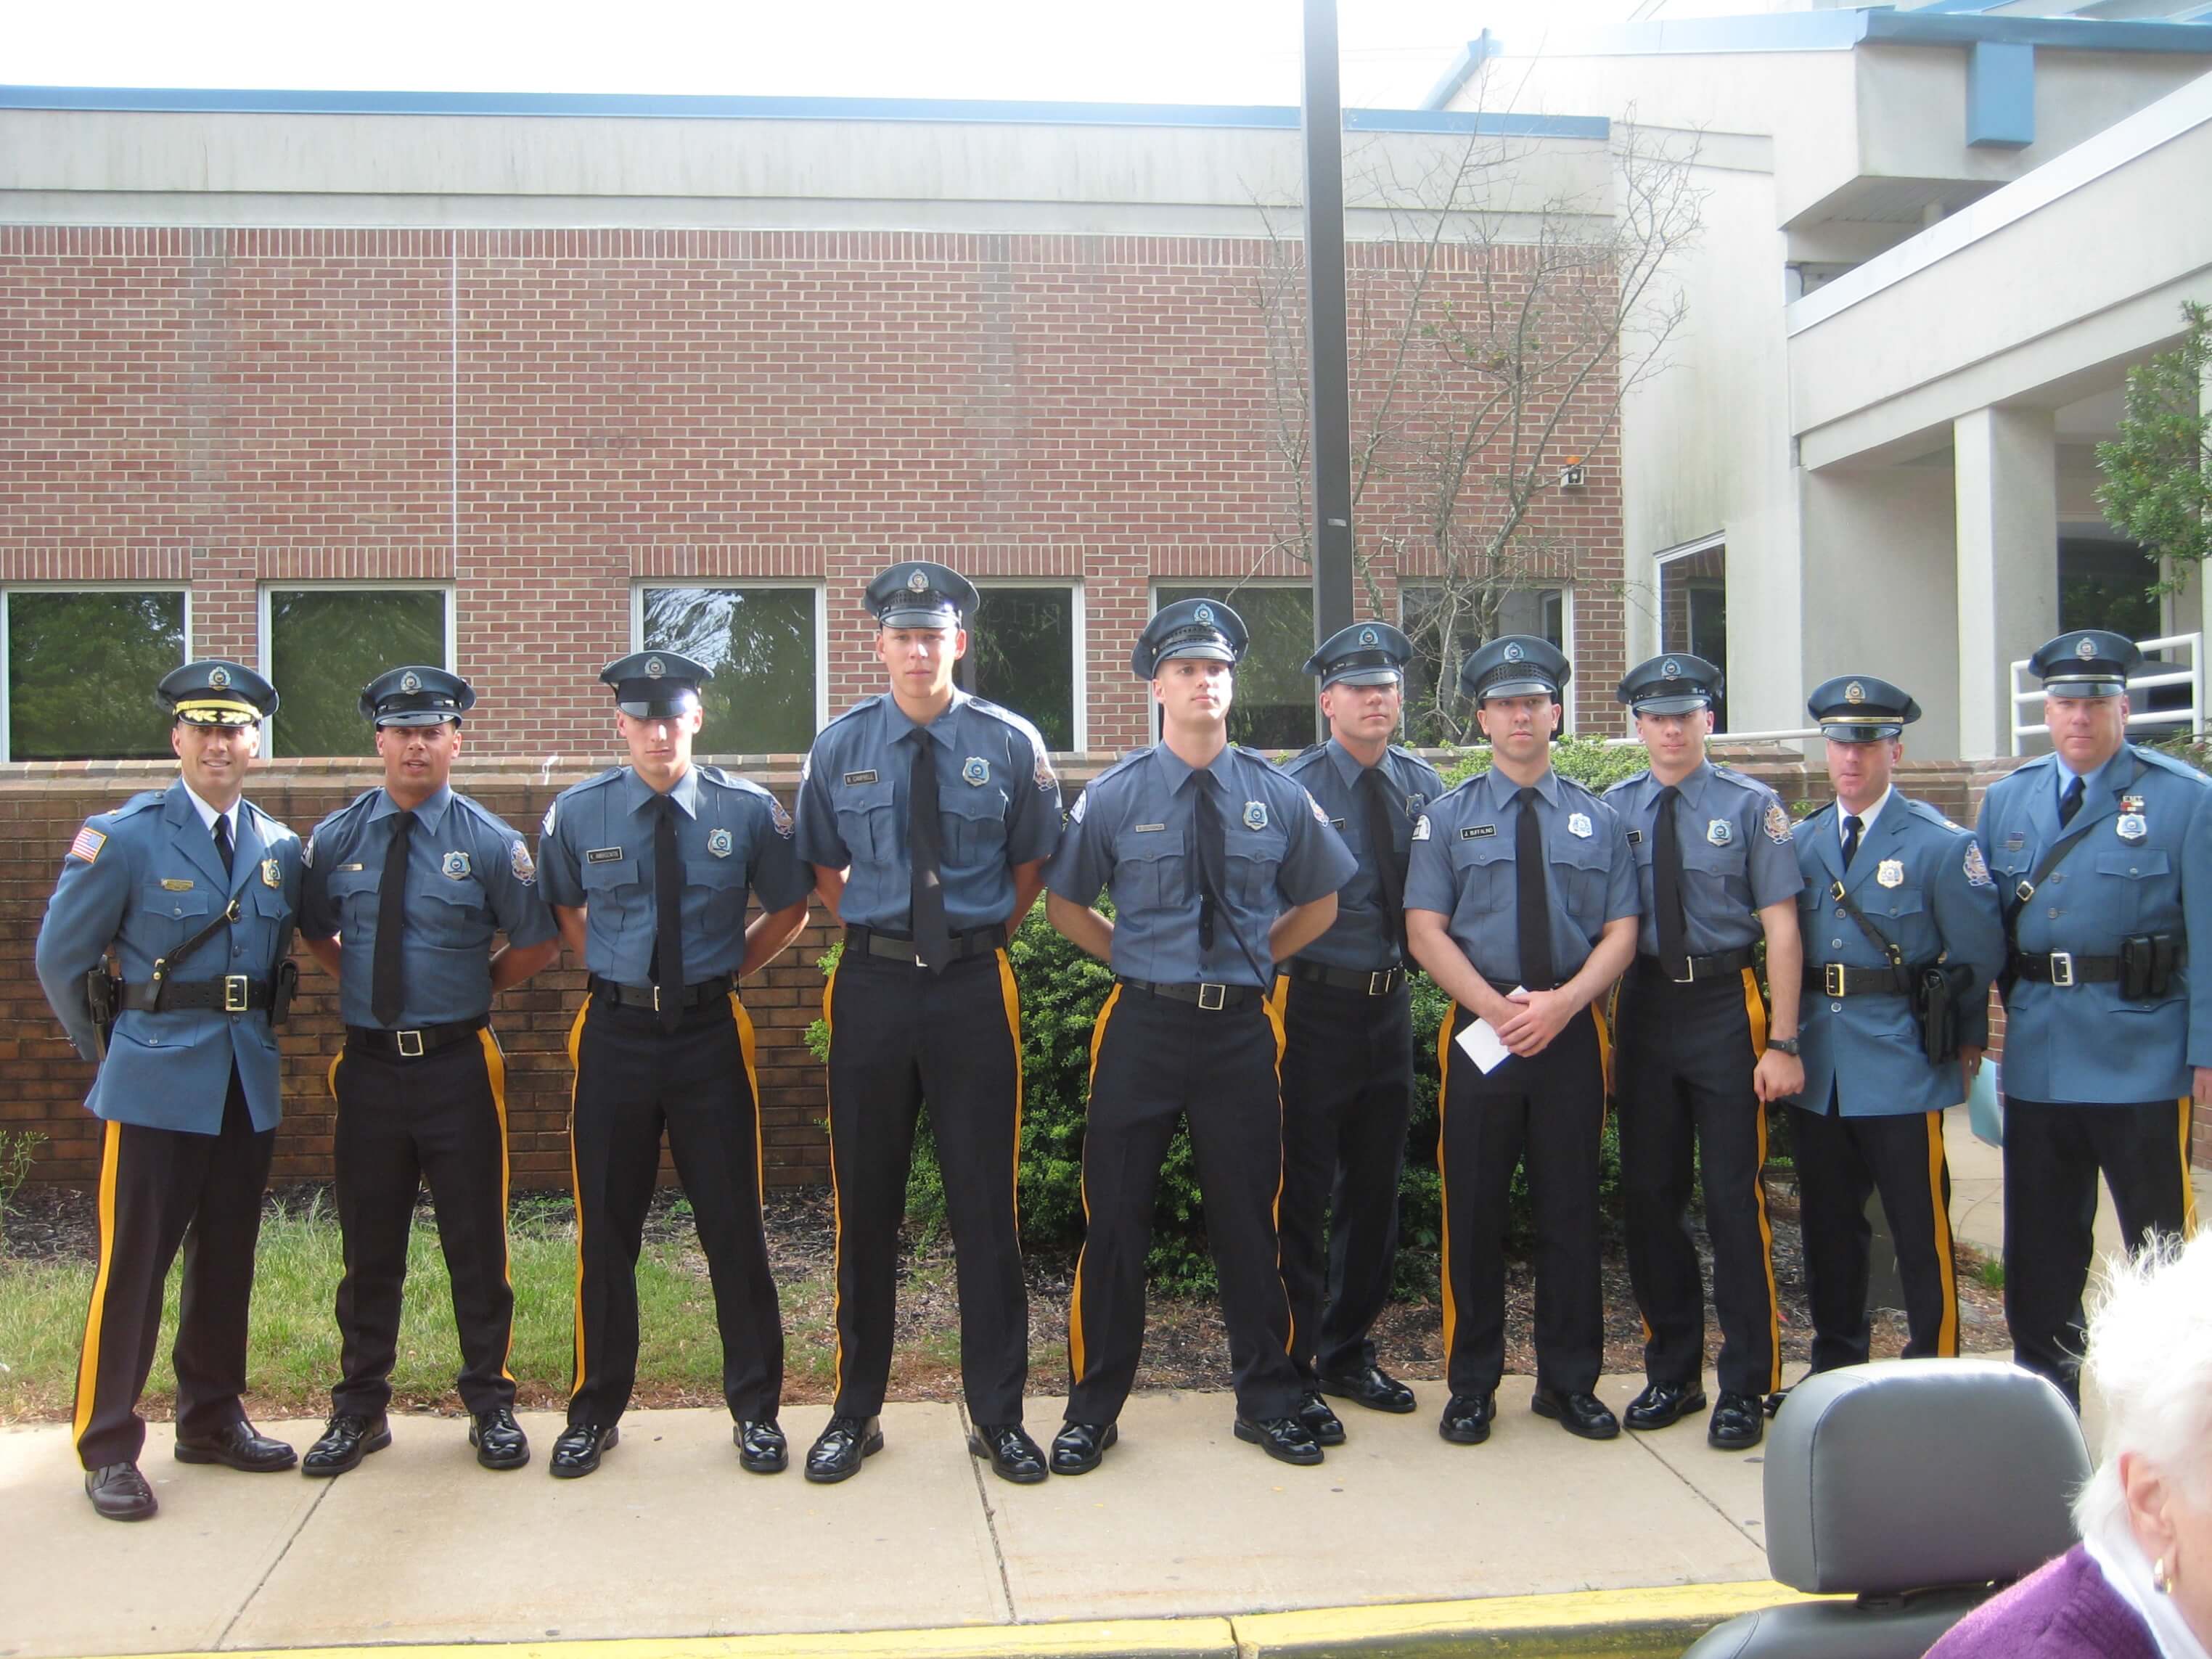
[(900, 1035), (2052, 1156), (439, 1119), (1153, 1060), (1549, 1107), (1682, 1071), (159, 1188), (1348, 1095), (632, 1080)]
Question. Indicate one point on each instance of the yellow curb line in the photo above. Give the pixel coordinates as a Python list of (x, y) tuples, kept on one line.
[(1499, 1624)]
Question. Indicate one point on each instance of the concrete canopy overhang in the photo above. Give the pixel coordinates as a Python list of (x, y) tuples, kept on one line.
[(2039, 295)]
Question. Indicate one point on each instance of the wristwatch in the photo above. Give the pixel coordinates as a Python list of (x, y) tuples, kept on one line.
[(1784, 1045)]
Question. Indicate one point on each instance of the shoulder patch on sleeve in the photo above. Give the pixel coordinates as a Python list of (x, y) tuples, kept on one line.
[(1421, 827), (308, 851), (1075, 812), (1977, 871), (1320, 816), (519, 860), (545, 828), (1777, 823), (778, 817), (87, 845)]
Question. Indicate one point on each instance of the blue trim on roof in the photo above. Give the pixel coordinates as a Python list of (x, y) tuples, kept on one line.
[(2000, 94), (1472, 57), (1839, 31), (673, 106)]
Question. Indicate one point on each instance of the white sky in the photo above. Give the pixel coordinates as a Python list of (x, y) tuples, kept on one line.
[(1122, 50)]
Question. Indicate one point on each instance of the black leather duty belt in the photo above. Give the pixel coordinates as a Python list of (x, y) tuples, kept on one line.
[(2064, 969), (615, 995), (414, 1042), (236, 994), (1837, 979), (899, 947), (1380, 983), (1687, 970), (1208, 996)]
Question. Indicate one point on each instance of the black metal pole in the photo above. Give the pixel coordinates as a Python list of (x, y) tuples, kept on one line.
[(1327, 376)]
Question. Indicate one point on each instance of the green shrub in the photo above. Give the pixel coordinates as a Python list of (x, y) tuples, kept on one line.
[(17, 1149)]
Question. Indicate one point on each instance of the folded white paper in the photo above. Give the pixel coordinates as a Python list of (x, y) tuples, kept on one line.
[(1483, 1046)]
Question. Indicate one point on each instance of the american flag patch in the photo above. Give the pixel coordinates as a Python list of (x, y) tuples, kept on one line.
[(87, 844)]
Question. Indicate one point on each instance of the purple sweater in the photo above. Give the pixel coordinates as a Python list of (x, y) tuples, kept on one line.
[(2064, 1610)]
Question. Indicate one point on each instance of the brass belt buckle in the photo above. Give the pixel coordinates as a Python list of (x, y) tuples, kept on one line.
[(1218, 993), (1689, 975), (2062, 968), (1378, 985), (236, 992), (406, 1037), (1831, 978)]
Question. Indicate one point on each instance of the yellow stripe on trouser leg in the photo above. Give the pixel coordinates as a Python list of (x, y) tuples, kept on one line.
[(1077, 1360), (87, 1364), (577, 1183), (1011, 995), (1273, 1004), (1947, 1334), (746, 1049), (330, 1077), (836, 1202), (495, 1074), (2188, 1185), (1754, 1010), (1444, 1174)]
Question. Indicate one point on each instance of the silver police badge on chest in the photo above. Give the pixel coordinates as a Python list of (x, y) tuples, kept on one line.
[(1255, 815), (1578, 824), (975, 771), (718, 842), (456, 866), (1890, 873), (1720, 831), (2132, 827)]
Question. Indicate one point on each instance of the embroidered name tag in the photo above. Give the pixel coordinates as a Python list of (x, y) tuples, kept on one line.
[(1636, 838), (859, 777), (604, 856), (171, 884), (344, 868), (1477, 831), (1145, 829)]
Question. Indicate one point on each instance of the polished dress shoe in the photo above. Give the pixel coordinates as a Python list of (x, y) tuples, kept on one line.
[(347, 1438), (1584, 1414), (1286, 1439), (237, 1446), (1373, 1388), (1079, 1447), (838, 1449), (1738, 1421), (1466, 1418), (1772, 1403), (577, 1451), (761, 1446), (1662, 1404), (1013, 1455), (1324, 1424), (499, 1439), (119, 1493)]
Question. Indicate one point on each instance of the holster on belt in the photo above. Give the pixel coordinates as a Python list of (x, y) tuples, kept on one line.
[(103, 997), (281, 990), (2147, 965), (1939, 991)]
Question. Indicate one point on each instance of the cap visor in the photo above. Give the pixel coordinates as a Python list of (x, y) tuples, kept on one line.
[(1671, 705), (1361, 676), (928, 616), (1521, 688), (2085, 688), (660, 709), (416, 717), (1200, 649), (1859, 732)]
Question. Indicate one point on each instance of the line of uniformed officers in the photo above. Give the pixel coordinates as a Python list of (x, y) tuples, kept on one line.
[(1263, 921)]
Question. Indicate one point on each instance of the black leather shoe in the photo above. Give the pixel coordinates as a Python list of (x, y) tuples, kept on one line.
[(499, 1439), (579, 1448), (1014, 1456), (1466, 1418), (761, 1446), (1738, 1421), (1772, 1403), (1079, 1447), (1324, 1424), (1662, 1404), (838, 1449), (1584, 1414), (238, 1447), (347, 1438), (1373, 1388), (1286, 1439), (119, 1493)]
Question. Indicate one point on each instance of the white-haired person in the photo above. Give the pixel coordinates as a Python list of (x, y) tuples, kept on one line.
[(2139, 1585)]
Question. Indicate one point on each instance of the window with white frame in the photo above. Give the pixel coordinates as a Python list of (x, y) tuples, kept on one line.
[(1274, 706), (82, 665), (321, 642), (763, 641), (1693, 608), (1025, 653), (1541, 612)]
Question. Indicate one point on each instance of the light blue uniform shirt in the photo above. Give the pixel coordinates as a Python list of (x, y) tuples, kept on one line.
[(1737, 858), (1360, 937), (596, 851), (1463, 868), (998, 806), (469, 876), (1133, 833)]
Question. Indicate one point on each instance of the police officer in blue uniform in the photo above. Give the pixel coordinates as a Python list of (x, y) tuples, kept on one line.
[(926, 815), (2102, 855), (648, 867), (194, 889), (1348, 1054), (1893, 889), (1521, 902), (1219, 867), (403, 891), (1698, 1057)]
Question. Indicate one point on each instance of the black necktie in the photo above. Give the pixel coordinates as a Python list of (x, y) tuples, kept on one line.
[(224, 846), (386, 1001), (1851, 828), (2070, 803), (1667, 883), (1382, 820), (668, 915), (1533, 903), (925, 846), (1212, 858)]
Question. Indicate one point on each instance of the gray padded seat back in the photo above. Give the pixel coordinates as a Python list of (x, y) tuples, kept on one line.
[(1911, 1472)]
